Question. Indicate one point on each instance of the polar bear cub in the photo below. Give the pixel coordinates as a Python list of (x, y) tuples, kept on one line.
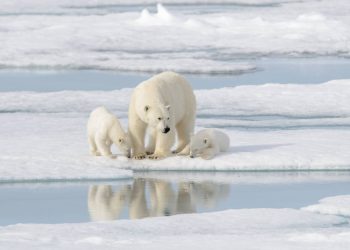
[(208, 142), (104, 129)]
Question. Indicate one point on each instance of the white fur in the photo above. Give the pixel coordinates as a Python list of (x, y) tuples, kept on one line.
[(164, 101), (209, 142), (104, 129)]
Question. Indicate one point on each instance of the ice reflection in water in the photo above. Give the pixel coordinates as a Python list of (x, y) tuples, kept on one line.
[(152, 197)]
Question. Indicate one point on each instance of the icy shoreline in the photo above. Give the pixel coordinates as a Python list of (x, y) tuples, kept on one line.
[(241, 228)]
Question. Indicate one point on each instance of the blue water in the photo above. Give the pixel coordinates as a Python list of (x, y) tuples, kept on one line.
[(302, 71), (68, 203)]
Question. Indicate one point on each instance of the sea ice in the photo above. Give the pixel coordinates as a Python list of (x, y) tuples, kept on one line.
[(271, 127), (76, 34), (243, 229), (337, 205)]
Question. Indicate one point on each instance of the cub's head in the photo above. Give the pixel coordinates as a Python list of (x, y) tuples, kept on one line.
[(198, 144), (159, 117), (124, 144)]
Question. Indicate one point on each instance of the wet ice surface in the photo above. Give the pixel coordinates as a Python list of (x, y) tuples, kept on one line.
[(154, 194)]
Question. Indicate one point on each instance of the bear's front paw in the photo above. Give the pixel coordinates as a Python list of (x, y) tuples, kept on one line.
[(139, 156), (156, 157)]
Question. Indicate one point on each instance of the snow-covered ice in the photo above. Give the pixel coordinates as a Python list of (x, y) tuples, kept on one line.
[(46, 148), (317, 101), (106, 35), (243, 229), (271, 126), (337, 205)]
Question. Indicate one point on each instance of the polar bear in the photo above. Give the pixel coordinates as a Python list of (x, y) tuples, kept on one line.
[(208, 142), (104, 129), (165, 105)]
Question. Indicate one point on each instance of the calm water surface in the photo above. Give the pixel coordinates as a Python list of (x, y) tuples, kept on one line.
[(302, 71), (165, 194)]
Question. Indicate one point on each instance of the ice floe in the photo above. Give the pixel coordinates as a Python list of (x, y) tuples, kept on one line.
[(243, 229), (337, 205), (271, 127), (54, 34)]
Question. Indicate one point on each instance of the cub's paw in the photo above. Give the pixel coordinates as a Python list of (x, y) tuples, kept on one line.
[(139, 156)]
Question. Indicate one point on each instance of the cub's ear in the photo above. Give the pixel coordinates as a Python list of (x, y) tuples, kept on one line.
[(167, 107), (205, 140), (147, 108)]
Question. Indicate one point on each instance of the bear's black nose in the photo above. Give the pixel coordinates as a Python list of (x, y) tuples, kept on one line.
[(166, 130)]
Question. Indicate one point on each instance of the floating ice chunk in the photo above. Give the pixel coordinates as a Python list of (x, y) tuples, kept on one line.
[(336, 205), (162, 17), (163, 13)]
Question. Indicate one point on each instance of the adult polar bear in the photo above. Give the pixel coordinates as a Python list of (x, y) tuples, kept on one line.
[(164, 105)]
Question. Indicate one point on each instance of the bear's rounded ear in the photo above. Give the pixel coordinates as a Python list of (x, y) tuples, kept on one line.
[(167, 107), (205, 140), (147, 108)]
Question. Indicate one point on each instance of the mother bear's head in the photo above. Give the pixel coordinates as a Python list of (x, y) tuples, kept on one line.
[(159, 117)]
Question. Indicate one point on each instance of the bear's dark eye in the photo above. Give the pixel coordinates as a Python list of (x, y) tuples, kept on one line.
[(159, 118), (168, 118), (120, 140)]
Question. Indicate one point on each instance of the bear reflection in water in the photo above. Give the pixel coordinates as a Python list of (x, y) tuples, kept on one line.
[(151, 197)]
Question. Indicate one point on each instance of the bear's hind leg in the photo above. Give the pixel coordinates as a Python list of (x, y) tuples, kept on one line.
[(93, 147), (103, 148), (209, 153)]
